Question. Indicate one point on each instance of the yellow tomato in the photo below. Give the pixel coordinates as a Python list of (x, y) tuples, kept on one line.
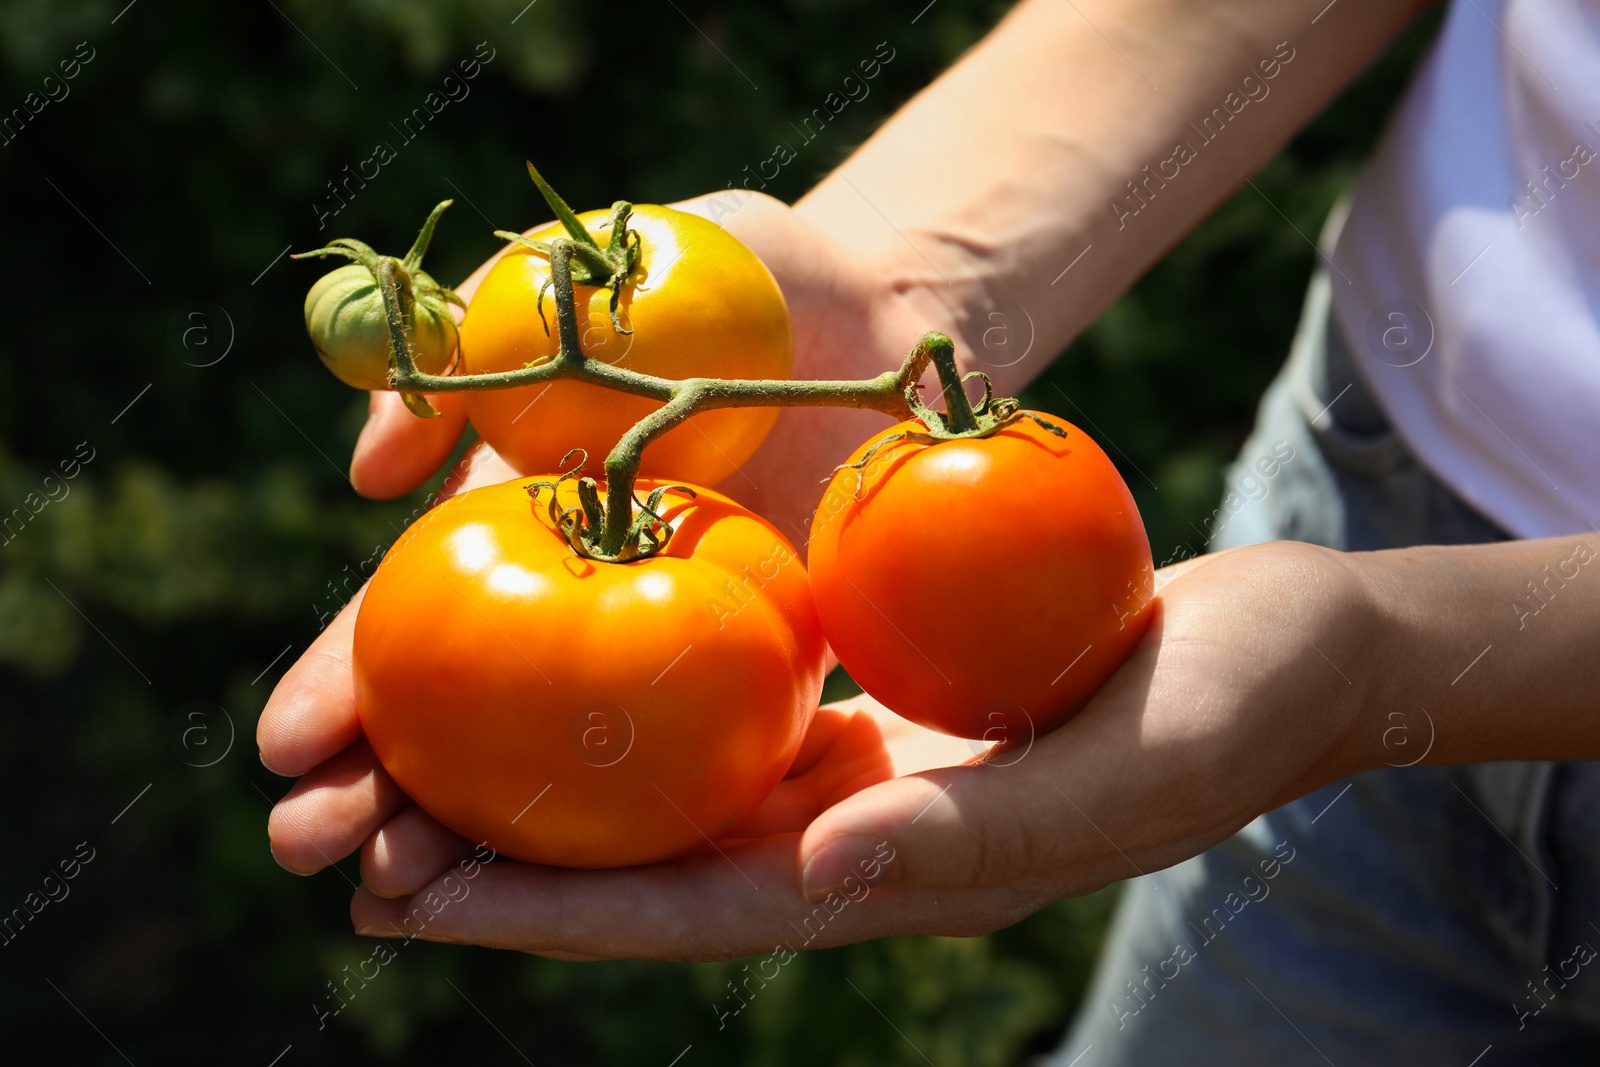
[(699, 303)]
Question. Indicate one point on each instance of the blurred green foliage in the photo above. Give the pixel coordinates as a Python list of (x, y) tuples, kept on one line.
[(191, 557)]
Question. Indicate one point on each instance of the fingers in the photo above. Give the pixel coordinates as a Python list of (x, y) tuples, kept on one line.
[(1027, 818), (916, 748), (988, 828), (397, 451), (842, 753), (408, 852), (311, 714), (850, 745), (936, 853), (945, 828), (743, 897), (1133, 783), (376, 916), (332, 810), (708, 906), (827, 726)]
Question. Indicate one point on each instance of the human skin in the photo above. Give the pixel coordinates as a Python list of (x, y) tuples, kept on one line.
[(1269, 671)]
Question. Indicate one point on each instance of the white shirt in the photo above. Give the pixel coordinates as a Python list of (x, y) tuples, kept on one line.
[(1467, 277)]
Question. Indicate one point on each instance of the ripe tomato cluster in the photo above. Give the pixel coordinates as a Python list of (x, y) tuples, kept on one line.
[(583, 700)]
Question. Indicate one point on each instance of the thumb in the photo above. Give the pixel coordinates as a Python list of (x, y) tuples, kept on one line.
[(957, 827)]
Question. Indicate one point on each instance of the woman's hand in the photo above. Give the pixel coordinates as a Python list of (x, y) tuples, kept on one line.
[(1247, 692)]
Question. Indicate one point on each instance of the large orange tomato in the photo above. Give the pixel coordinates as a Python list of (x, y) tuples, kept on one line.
[(985, 587), (699, 303), (587, 714)]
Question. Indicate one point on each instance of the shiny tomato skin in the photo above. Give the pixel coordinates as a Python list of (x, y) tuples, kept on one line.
[(699, 304), (586, 714), (982, 587)]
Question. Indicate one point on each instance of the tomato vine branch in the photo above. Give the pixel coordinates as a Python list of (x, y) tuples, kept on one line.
[(580, 259)]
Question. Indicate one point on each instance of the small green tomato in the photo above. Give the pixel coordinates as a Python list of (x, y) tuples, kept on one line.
[(348, 326)]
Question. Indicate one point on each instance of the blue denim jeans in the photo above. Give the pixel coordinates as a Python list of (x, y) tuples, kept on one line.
[(1416, 915)]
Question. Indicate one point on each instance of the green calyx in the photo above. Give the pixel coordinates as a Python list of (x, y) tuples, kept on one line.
[(348, 320), (960, 420), (605, 267), (583, 526)]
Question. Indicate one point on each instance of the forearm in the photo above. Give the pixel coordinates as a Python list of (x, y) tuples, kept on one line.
[(1019, 159), (1492, 652)]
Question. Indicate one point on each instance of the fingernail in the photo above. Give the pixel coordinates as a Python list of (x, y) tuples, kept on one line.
[(846, 864)]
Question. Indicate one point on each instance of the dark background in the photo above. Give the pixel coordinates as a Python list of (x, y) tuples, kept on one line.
[(145, 615)]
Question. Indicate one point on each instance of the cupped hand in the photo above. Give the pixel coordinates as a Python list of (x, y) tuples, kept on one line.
[(850, 319), (1244, 694)]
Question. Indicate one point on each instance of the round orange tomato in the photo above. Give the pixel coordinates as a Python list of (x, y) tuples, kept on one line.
[(578, 713), (699, 303), (984, 587)]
